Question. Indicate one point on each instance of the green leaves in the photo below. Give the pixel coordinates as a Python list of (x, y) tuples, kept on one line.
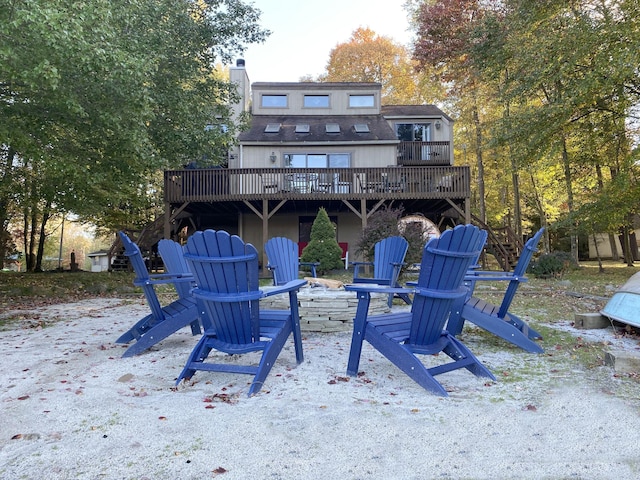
[(97, 97)]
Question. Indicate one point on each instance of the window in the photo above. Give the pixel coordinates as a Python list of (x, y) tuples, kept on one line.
[(272, 128), (332, 128), (361, 128), (361, 101), (316, 101), (278, 101), (317, 160), (339, 160), (302, 128), (413, 132)]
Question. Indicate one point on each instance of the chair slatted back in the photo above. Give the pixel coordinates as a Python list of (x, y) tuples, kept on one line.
[(142, 279), (519, 271), (388, 252), (172, 255), (283, 259), (445, 261), (226, 274)]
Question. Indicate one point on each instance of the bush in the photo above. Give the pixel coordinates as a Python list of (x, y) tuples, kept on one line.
[(552, 265), (323, 246), (382, 224)]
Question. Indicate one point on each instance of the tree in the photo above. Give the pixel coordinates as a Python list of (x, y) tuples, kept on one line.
[(323, 246), (572, 79), (386, 223), (97, 97), (444, 42), (368, 57)]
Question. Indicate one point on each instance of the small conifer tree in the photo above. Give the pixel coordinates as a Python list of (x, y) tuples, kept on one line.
[(323, 246)]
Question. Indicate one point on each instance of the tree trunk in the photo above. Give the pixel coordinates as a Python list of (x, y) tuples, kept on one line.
[(478, 127), (43, 236), (30, 246), (543, 219), (515, 181), (612, 239), (568, 184), (595, 243), (626, 246), (6, 167)]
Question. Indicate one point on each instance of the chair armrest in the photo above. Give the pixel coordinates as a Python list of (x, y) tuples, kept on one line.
[(398, 264), (376, 289), (313, 266), (356, 267), (377, 281), (164, 278), (291, 286), (493, 276), (310, 263), (361, 263)]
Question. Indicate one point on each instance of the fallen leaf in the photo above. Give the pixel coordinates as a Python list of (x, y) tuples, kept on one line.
[(219, 470), (24, 397), (126, 377)]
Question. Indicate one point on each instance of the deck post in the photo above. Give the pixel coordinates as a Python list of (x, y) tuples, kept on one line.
[(167, 222), (265, 232)]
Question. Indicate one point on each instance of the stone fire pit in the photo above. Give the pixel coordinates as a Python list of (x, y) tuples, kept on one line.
[(325, 309)]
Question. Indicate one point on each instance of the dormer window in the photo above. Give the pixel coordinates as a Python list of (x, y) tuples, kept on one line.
[(316, 101), (358, 101), (274, 101), (332, 128), (272, 128)]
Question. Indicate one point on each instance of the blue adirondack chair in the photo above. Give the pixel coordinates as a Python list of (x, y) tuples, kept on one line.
[(162, 321), (284, 263), (226, 273), (402, 336), (388, 259), (496, 318), (172, 254)]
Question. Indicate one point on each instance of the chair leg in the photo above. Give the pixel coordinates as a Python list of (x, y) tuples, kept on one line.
[(458, 351), (359, 325), (135, 332), (196, 328), (502, 329), (295, 325), (198, 355), (405, 361), (269, 357), (455, 323), (162, 329), (523, 326)]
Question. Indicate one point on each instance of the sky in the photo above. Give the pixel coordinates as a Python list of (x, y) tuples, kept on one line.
[(305, 31)]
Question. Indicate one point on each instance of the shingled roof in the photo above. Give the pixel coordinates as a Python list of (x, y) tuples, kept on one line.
[(378, 129), (413, 111)]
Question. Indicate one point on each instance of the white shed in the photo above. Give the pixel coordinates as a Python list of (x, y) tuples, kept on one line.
[(99, 261)]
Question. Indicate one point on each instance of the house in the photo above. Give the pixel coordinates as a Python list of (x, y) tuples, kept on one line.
[(312, 145)]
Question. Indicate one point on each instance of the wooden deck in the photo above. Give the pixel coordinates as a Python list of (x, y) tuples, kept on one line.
[(249, 184)]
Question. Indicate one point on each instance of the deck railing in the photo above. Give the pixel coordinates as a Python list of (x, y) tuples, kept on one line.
[(424, 153), (219, 184)]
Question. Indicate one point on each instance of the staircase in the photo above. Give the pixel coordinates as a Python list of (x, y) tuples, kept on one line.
[(146, 240), (502, 243)]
